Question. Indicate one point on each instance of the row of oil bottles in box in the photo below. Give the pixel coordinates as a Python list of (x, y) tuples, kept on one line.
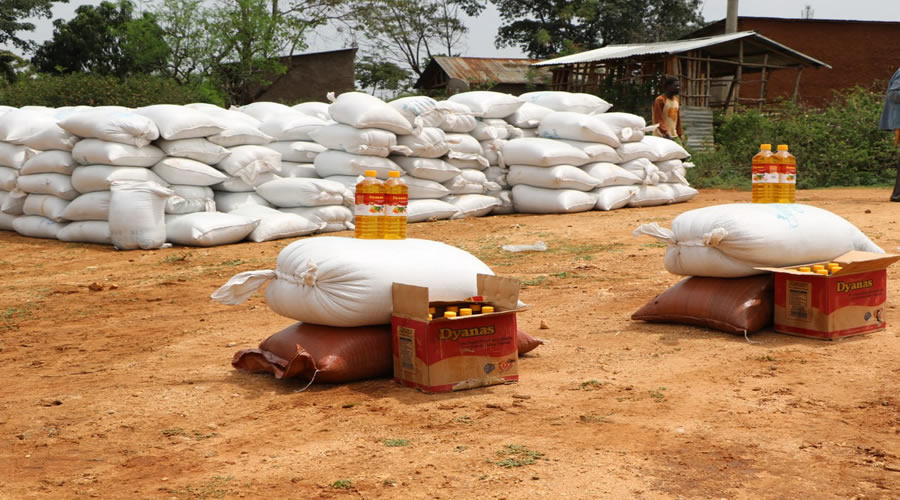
[(821, 269), (459, 311), (381, 207), (774, 175)]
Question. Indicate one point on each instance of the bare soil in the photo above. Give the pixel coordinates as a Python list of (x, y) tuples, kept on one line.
[(117, 383)]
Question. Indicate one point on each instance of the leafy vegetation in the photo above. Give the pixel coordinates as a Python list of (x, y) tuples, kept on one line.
[(96, 90), (839, 145)]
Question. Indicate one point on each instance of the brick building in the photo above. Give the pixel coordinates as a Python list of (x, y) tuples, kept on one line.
[(310, 76), (859, 52)]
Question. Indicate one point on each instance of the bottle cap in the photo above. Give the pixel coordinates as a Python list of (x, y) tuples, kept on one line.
[(465, 311), (453, 309), (782, 147), (487, 309), (449, 314), (429, 317), (804, 269), (818, 267), (765, 147), (371, 173), (835, 269), (823, 272), (431, 310), (476, 308), (833, 265), (394, 174)]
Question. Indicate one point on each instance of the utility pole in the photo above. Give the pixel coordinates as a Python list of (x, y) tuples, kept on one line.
[(731, 17)]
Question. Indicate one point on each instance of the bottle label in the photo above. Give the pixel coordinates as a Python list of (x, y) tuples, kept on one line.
[(788, 175), (369, 204), (759, 174), (395, 205), (772, 177)]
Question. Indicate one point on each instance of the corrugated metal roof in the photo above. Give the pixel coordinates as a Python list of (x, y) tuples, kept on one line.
[(673, 47), (484, 69)]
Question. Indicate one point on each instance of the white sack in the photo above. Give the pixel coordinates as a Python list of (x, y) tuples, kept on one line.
[(137, 215), (275, 225), (297, 151), (97, 152), (359, 141), (333, 162), (200, 150), (472, 205), (49, 162), (324, 280), (14, 156), (291, 169), (206, 229), (316, 109), (681, 192), (557, 177), (8, 178), (45, 205), (94, 231), (541, 152), (6, 220), (728, 241), (298, 192), (577, 127), (533, 200), (628, 127), (180, 122), (249, 162), (665, 149), (646, 171), (190, 199), (567, 101), (35, 226), (263, 110), (240, 135), (458, 117), (433, 169), (54, 184), (228, 202), (126, 127), (429, 210), (506, 205), (430, 143), (597, 152), (648, 195), (529, 115), (421, 111), (424, 189), (329, 218), (362, 110), (471, 181), (92, 178), (614, 197), (189, 172), (35, 130), (89, 206), (291, 126), (11, 203), (608, 174), (487, 104)]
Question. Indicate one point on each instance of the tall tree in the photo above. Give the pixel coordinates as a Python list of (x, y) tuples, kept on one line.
[(375, 74), (546, 28), (410, 32), (237, 43), (13, 15), (107, 39)]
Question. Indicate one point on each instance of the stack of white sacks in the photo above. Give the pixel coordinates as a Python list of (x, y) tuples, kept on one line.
[(267, 171)]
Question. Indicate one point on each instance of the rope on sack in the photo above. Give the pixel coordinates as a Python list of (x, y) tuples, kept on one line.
[(311, 380), (747, 338)]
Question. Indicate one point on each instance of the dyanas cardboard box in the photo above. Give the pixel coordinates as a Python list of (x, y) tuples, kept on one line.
[(451, 354), (848, 302)]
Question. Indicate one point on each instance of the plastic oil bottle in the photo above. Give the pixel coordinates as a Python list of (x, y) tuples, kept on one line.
[(396, 201), (787, 175), (763, 164), (369, 207)]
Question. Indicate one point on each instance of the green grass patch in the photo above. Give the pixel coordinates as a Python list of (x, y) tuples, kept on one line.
[(515, 455), (395, 443), (342, 484)]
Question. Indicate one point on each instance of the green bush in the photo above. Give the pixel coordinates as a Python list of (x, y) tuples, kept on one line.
[(839, 145), (95, 90)]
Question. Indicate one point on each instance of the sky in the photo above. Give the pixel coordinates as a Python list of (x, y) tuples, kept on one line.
[(480, 40)]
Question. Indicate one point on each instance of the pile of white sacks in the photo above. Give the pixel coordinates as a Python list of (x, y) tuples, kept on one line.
[(202, 175)]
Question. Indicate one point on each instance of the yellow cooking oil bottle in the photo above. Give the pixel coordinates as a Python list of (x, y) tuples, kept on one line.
[(764, 175), (396, 199), (787, 175), (369, 207)]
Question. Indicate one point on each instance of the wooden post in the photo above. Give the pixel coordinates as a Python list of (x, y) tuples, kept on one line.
[(797, 83), (763, 82), (739, 74), (708, 82)]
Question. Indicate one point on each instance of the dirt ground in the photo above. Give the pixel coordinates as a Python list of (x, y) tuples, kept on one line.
[(126, 390)]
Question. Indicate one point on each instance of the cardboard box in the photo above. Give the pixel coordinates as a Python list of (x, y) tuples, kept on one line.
[(848, 302), (452, 354)]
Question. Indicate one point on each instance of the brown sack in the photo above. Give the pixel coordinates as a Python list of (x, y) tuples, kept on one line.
[(733, 305), (339, 354), (527, 343)]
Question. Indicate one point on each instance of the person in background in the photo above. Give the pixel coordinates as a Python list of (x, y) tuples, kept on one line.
[(666, 111), (890, 120)]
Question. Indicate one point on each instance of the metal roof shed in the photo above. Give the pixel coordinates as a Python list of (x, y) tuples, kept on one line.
[(702, 64), (504, 74)]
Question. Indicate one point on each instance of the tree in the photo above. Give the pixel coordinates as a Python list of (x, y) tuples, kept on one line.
[(546, 28), (237, 43), (107, 39), (12, 15), (378, 74), (409, 32)]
